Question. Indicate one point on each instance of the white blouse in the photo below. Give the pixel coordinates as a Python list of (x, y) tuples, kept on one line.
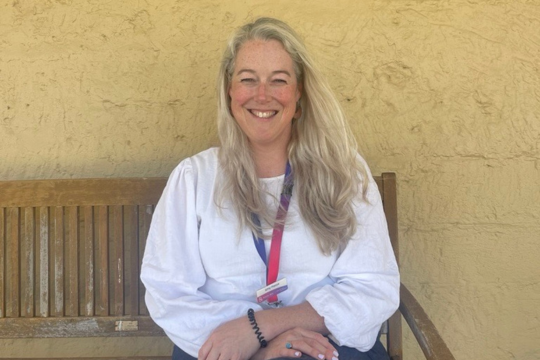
[(200, 270)]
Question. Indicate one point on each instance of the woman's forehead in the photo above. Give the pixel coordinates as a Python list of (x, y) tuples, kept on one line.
[(267, 54)]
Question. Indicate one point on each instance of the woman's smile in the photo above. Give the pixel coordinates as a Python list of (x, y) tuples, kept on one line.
[(263, 114)]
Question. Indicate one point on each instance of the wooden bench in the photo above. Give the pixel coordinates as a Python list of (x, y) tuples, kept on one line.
[(70, 255)]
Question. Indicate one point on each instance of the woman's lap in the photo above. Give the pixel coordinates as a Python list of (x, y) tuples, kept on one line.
[(345, 353)]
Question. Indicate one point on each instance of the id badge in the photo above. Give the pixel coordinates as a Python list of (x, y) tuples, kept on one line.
[(271, 290)]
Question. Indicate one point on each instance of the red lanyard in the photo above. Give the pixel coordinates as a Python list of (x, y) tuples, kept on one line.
[(272, 266)]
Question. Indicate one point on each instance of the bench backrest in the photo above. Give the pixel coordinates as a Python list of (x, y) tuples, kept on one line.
[(70, 254)]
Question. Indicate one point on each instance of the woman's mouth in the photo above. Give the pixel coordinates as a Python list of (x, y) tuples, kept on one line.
[(263, 114)]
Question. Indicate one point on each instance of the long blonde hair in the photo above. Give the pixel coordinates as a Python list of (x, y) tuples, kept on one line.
[(322, 150)]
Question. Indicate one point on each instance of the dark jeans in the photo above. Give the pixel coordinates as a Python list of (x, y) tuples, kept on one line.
[(345, 353)]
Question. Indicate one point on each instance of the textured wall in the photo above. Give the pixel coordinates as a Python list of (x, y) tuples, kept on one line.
[(445, 93)]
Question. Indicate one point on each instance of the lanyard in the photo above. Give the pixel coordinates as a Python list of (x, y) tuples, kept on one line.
[(272, 265)]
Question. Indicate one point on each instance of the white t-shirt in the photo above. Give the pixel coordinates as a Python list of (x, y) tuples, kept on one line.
[(200, 270)]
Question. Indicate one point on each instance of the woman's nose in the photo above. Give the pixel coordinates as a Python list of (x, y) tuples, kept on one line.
[(262, 92)]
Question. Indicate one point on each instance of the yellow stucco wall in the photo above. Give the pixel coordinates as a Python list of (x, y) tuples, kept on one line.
[(445, 93)]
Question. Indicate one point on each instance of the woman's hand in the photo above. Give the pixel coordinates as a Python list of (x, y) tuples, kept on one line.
[(302, 341), (234, 340)]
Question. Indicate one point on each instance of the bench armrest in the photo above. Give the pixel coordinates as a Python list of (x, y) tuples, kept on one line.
[(426, 334)]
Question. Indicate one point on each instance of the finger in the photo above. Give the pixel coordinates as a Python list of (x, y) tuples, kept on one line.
[(314, 344), (309, 347), (323, 340), (317, 337), (331, 354), (217, 354), (292, 353), (289, 351), (323, 346), (212, 352), (321, 349), (223, 356), (204, 351)]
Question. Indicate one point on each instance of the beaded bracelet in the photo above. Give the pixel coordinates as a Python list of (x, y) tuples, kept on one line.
[(251, 317)]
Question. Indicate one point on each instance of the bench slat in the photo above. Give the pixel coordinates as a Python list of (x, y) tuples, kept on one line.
[(77, 327), (131, 258), (86, 265), (71, 266), (12, 264), (81, 192), (145, 216), (116, 261), (27, 262), (57, 263), (101, 265), (42, 261)]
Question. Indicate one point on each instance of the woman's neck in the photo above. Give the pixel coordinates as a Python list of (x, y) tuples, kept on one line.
[(269, 162)]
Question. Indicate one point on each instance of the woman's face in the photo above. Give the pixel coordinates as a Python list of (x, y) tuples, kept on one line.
[(264, 93)]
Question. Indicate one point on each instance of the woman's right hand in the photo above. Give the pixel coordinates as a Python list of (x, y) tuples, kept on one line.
[(302, 341)]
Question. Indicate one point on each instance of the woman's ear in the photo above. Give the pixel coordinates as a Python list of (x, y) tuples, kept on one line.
[(298, 112), (299, 89)]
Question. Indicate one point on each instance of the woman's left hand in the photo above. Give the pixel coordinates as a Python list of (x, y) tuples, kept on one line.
[(233, 340), (297, 342)]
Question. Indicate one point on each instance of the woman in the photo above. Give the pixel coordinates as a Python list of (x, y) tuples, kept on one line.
[(226, 277)]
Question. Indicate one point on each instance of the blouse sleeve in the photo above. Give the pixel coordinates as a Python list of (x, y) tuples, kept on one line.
[(172, 271), (366, 288)]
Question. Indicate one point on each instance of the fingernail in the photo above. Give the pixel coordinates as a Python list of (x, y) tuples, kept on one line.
[(335, 353), (297, 353), (334, 358), (321, 356)]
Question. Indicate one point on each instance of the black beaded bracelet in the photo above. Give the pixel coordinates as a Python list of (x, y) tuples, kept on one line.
[(251, 317)]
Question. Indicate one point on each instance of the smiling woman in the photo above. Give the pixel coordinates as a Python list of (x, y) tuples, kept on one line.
[(276, 242)]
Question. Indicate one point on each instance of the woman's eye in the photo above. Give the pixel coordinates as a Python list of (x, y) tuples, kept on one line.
[(280, 81), (247, 80)]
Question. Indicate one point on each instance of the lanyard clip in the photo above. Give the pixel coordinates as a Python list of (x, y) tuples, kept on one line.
[(287, 189), (276, 304)]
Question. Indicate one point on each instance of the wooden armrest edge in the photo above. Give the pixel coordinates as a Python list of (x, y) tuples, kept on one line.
[(426, 334)]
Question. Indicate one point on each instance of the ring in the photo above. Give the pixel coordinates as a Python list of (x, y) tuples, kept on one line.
[(288, 345)]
